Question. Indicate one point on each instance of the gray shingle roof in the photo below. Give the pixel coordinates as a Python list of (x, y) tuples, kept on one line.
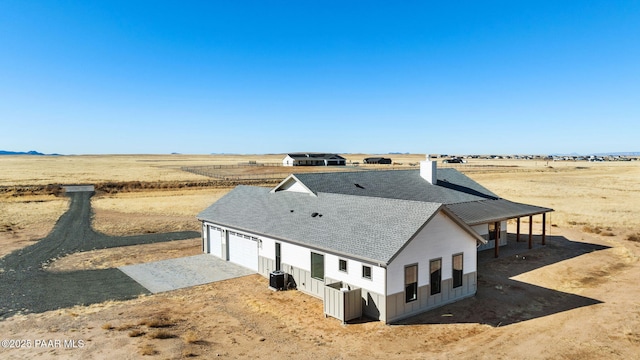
[(470, 201), (367, 214), (481, 212), (452, 187), (370, 228)]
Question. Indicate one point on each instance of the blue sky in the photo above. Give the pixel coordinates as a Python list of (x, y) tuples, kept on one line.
[(199, 77)]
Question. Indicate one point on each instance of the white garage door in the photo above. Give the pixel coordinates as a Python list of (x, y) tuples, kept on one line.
[(243, 251), (215, 241)]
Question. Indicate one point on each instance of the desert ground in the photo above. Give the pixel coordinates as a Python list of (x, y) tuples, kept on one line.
[(575, 298)]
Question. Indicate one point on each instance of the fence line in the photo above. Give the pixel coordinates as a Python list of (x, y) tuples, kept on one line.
[(212, 171)]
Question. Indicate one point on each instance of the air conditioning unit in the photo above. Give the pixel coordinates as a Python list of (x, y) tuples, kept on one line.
[(277, 280)]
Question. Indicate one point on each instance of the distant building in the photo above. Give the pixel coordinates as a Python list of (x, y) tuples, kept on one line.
[(313, 159), (377, 160)]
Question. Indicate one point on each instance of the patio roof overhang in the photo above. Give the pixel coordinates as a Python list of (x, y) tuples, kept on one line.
[(488, 211)]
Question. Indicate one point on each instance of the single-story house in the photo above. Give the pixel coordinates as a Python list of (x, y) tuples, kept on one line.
[(313, 159), (377, 160), (406, 239)]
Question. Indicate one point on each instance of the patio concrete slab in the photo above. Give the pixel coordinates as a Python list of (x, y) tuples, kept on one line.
[(172, 274)]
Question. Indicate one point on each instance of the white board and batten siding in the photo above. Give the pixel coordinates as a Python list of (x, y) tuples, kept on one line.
[(441, 238), (296, 261), (205, 238), (353, 275)]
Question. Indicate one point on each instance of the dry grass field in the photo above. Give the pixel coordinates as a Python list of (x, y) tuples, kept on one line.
[(132, 213), (24, 220), (591, 195), (595, 203), (43, 170)]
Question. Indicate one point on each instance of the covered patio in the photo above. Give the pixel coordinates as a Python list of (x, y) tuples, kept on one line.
[(499, 210)]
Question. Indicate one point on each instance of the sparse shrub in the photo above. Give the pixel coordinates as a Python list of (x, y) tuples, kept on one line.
[(190, 337), (161, 334), (597, 230), (634, 237), (591, 230), (107, 326), (148, 349), (136, 333), (10, 227), (53, 189), (188, 353), (158, 322), (125, 327)]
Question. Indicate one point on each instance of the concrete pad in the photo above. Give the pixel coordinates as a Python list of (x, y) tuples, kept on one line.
[(79, 188), (172, 274)]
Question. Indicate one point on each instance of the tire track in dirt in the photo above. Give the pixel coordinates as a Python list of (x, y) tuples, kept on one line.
[(25, 287)]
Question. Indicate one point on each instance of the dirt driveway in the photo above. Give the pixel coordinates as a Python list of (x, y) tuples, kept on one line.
[(26, 286)]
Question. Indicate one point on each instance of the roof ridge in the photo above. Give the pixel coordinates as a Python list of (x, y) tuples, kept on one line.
[(351, 172), (381, 198)]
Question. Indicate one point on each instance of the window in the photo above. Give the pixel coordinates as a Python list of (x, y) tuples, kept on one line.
[(435, 275), (342, 265), (411, 283), (278, 257), (457, 270), (366, 272), (317, 266)]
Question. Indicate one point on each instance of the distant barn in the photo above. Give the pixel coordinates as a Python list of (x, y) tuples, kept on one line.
[(377, 160), (313, 159)]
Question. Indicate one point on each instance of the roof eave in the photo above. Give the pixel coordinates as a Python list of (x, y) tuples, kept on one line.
[(299, 243), (505, 218)]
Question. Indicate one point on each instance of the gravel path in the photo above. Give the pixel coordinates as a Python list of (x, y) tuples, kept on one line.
[(26, 288)]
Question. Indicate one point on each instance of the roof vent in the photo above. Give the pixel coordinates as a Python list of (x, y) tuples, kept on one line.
[(314, 214), (291, 210)]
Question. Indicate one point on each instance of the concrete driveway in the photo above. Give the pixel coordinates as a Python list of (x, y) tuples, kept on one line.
[(183, 272)]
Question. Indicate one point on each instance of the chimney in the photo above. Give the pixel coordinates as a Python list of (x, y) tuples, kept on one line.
[(428, 170)]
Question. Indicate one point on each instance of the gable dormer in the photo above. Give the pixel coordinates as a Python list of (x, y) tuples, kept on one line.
[(293, 184)]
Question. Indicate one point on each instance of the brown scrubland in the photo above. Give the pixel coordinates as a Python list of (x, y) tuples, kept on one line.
[(596, 207)]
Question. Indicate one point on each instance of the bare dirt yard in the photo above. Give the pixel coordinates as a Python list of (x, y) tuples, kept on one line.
[(575, 298)]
